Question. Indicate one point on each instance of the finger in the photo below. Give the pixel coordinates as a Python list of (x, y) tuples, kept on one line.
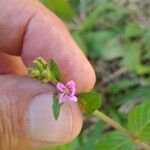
[(43, 34), (26, 118), (11, 65)]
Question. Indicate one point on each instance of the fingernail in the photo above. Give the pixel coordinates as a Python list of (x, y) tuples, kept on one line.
[(42, 125)]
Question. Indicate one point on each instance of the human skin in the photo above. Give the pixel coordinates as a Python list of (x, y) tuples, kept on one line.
[(29, 30)]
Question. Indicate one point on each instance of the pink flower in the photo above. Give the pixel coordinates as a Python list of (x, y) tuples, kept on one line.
[(67, 92)]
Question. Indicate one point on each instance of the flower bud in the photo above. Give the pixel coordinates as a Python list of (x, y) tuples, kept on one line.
[(34, 73)]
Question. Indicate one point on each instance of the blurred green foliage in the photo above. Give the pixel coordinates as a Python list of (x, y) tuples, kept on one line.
[(115, 141), (61, 7), (112, 35)]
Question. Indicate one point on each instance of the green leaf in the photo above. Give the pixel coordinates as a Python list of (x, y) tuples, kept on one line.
[(142, 69), (131, 95), (116, 13), (77, 37), (56, 106), (90, 101), (91, 18), (55, 70), (129, 62), (147, 39), (116, 115), (139, 121), (122, 85), (115, 141), (133, 30), (61, 7), (94, 135), (112, 49), (97, 41)]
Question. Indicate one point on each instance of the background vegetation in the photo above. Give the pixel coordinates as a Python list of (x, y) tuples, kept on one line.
[(115, 36)]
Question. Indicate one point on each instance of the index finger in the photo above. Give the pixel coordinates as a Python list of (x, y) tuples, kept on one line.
[(41, 33)]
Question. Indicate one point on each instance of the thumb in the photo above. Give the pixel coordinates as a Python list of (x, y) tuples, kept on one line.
[(26, 118)]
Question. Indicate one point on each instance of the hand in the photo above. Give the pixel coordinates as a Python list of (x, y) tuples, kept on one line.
[(28, 30)]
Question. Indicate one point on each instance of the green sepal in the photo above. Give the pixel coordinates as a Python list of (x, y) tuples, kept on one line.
[(34, 73), (40, 64), (46, 76), (55, 70), (56, 106)]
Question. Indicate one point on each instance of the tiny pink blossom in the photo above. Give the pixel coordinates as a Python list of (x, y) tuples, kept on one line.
[(67, 92)]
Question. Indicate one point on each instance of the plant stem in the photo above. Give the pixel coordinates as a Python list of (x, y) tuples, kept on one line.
[(121, 129), (113, 123)]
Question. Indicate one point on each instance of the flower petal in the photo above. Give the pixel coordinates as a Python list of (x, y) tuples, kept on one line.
[(63, 98), (73, 98), (72, 93), (71, 86), (61, 87), (70, 83)]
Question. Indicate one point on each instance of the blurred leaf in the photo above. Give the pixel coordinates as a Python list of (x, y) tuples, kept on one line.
[(134, 63), (116, 115), (61, 7), (122, 85), (139, 121), (134, 94), (147, 41), (112, 49), (94, 134), (97, 40), (141, 69), (115, 141), (117, 16), (91, 18), (77, 37), (115, 13), (89, 101), (147, 36), (132, 53), (133, 30), (76, 5)]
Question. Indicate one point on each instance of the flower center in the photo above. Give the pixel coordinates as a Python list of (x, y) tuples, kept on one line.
[(66, 91)]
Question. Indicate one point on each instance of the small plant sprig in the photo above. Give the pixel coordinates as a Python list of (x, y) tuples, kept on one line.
[(137, 133)]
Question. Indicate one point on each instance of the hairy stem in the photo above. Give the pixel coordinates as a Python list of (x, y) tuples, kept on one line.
[(121, 129), (113, 123)]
